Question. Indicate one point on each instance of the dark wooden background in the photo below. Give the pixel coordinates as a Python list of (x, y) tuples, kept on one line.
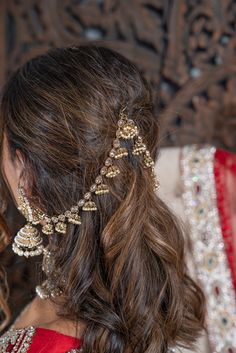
[(186, 49)]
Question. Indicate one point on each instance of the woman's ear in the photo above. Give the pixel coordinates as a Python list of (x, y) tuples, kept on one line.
[(13, 169), (24, 179), (19, 164)]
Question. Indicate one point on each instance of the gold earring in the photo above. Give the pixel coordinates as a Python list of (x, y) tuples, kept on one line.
[(28, 241), (49, 288)]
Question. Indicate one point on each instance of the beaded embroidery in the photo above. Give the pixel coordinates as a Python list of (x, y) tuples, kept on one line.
[(212, 268), (17, 340)]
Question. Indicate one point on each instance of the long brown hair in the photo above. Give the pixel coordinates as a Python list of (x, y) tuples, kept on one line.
[(124, 266)]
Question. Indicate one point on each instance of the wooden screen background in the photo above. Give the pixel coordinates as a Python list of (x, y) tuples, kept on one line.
[(186, 49)]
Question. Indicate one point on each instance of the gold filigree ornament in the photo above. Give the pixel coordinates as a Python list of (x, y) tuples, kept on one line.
[(127, 128), (28, 241)]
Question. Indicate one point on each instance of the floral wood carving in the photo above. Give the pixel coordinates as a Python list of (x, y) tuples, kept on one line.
[(185, 48)]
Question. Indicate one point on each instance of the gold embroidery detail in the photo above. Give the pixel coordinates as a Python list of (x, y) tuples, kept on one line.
[(211, 263)]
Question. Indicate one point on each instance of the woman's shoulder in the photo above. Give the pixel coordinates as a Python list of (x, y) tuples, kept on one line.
[(32, 340), (39, 329)]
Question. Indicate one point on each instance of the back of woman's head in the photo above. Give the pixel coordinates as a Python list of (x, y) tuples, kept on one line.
[(122, 269)]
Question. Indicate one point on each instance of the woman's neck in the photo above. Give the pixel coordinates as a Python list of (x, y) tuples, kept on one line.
[(42, 313)]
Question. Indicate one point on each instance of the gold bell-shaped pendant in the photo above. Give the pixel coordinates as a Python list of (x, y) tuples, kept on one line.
[(61, 227), (101, 189), (139, 148), (112, 171), (28, 242), (89, 206), (121, 152), (74, 218)]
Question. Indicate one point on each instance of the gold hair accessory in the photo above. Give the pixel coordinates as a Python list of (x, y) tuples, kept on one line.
[(28, 241)]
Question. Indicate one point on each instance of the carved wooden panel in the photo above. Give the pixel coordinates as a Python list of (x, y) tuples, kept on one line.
[(186, 49)]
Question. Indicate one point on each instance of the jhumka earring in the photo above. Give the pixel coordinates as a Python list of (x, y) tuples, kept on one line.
[(28, 241)]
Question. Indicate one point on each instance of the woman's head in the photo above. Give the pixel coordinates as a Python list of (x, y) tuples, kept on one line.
[(124, 268), (61, 115)]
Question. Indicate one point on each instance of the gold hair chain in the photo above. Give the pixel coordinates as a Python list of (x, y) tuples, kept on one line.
[(28, 241)]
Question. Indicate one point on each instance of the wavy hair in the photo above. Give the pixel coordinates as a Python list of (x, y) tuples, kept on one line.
[(124, 266)]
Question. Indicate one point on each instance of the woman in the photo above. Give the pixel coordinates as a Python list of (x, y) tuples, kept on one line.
[(79, 140)]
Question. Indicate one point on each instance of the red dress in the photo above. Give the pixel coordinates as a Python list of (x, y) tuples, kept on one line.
[(35, 340), (225, 178)]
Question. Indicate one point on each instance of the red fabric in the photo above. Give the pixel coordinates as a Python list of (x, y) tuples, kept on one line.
[(45, 341), (225, 179)]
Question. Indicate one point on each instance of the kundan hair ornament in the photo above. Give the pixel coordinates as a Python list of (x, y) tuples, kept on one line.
[(28, 241)]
